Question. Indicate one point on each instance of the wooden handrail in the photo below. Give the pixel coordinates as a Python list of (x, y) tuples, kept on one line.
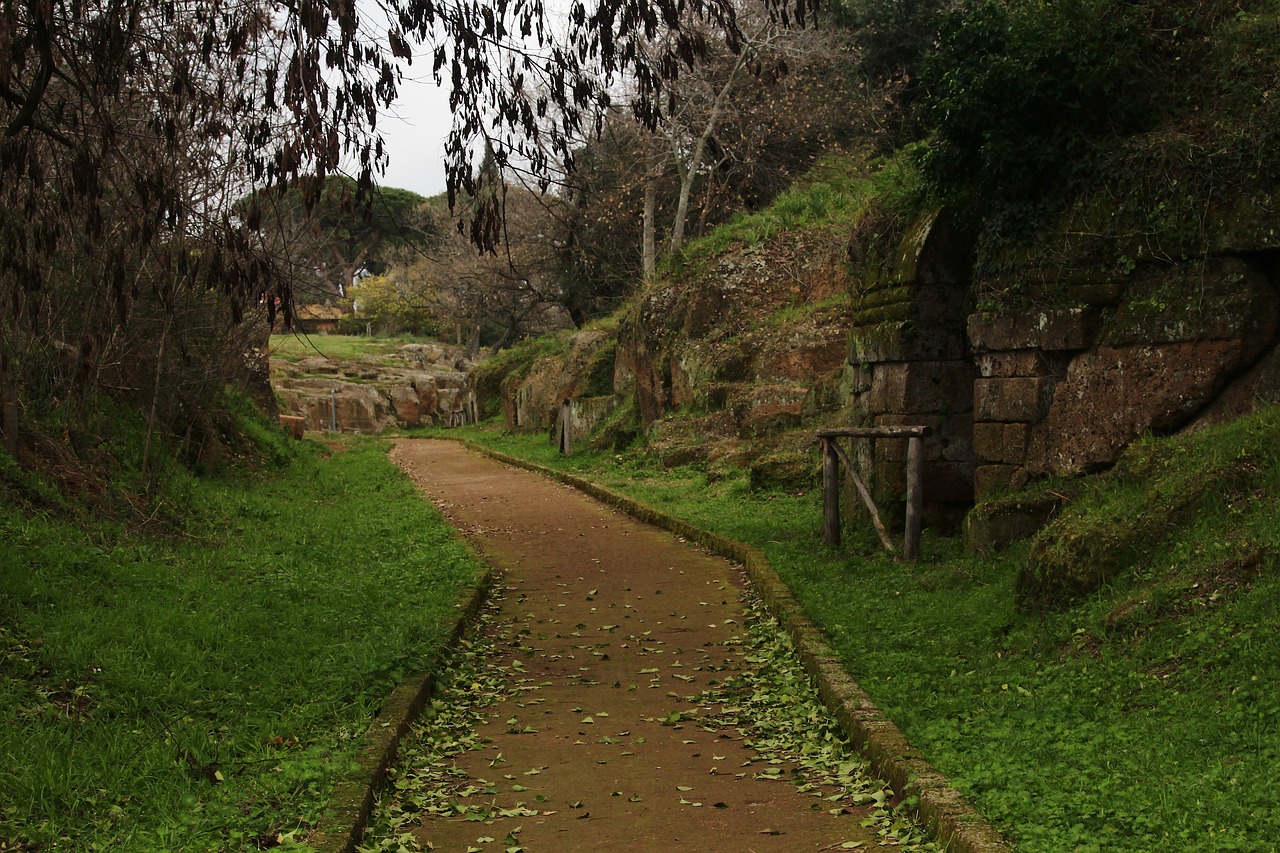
[(832, 457)]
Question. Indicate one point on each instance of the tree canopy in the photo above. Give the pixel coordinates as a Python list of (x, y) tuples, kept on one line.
[(128, 128), (327, 243)]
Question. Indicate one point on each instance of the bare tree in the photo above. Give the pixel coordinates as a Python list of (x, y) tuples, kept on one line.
[(500, 296), (739, 129), (109, 107)]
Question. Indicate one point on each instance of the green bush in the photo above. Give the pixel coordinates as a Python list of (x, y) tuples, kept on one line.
[(1022, 93), (894, 36)]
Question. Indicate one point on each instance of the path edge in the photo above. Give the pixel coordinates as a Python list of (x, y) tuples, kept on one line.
[(958, 826), (347, 814)]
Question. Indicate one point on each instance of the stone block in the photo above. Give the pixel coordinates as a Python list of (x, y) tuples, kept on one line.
[(426, 390), (1002, 365), (1052, 330), (1015, 399), (906, 340), (989, 480), (1257, 387), (988, 441), (405, 402), (1001, 442), (1139, 388), (1016, 439), (994, 525), (294, 425), (922, 387)]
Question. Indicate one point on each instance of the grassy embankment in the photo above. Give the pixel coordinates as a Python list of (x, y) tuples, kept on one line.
[(295, 347), (203, 689), (1145, 717)]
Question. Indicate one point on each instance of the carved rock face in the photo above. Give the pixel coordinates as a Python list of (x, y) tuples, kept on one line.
[(1114, 394), (386, 396)]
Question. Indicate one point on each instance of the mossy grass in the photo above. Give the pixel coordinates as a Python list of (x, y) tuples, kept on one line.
[(1144, 716), (835, 193), (295, 347), (204, 689)]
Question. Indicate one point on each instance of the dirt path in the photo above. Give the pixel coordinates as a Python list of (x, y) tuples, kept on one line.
[(612, 622)]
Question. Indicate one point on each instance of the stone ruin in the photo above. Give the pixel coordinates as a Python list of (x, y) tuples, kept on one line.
[(425, 386), (1059, 378)]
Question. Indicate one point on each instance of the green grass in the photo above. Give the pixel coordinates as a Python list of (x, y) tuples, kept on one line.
[(1145, 717), (295, 347), (833, 194), (205, 690)]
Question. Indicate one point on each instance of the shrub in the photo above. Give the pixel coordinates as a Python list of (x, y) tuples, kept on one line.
[(1023, 92)]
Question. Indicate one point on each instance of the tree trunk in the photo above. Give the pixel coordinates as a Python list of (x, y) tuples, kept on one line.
[(8, 404), (649, 251), (687, 176), (690, 172), (155, 392)]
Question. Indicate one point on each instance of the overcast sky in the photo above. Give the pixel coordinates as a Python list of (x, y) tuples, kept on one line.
[(414, 132), (415, 129)]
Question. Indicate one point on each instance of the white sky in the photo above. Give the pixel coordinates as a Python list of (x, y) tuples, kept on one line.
[(414, 131)]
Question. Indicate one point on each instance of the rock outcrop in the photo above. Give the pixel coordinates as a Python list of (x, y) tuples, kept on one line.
[(1065, 390), (748, 350), (1050, 367), (417, 385)]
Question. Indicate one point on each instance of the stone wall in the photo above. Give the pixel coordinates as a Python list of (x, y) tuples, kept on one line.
[(1062, 391), (910, 361), (1060, 369)]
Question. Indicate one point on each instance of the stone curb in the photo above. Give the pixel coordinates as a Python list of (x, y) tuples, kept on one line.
[(340, 830), (956, 824)]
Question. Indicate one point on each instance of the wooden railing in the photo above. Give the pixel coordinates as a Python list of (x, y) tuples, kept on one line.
[(832, 457)]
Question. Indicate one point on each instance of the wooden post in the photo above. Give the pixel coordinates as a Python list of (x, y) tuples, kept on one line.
[(915, 499), (566, 434), (832, 454), (830, 493), (865, 493)]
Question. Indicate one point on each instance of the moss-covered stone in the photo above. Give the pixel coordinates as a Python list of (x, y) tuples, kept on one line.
[(784, 469), (995, 524), (1082, 549)]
